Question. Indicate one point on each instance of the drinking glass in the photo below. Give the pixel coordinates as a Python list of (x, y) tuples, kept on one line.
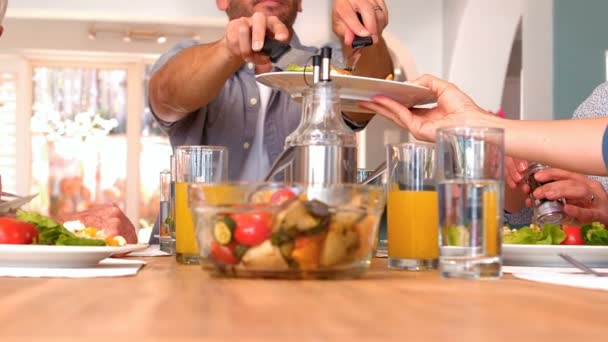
[(381, 242), (412, 207), (166, 236), (200, 164), (470, 179)]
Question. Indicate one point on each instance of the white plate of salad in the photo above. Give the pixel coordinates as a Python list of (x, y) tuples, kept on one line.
[(539, 247), (34, 240), (352, 88)]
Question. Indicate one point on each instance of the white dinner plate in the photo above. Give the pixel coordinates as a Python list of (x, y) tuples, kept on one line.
[(59, 256), (546, 255), (352, 89)]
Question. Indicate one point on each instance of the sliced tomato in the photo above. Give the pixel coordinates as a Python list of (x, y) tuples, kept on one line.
[(13, 231), (252, 228), (573, 235), (281, 196), (223, 253)]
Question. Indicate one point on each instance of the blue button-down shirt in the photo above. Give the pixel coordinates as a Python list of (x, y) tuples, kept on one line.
[(230, 119)]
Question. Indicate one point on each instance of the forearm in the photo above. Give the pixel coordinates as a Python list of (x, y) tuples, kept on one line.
[(191, 79), (571, 145)]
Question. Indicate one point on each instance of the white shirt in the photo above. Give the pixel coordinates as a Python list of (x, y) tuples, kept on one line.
[(258, 161)]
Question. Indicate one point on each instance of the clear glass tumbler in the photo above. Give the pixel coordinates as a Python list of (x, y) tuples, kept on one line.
[(470, 180), (412, 207), (194, 164)]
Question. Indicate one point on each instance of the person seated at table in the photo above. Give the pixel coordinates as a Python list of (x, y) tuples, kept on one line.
[(576, 188), (541, 141)]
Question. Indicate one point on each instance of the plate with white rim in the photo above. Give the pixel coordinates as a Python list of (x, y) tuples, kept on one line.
[(547, 255), (60, 256), (351, 88)]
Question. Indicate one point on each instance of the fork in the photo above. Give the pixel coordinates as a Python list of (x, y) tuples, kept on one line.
[(580, 265)]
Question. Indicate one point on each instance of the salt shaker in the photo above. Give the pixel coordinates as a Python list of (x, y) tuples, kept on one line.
[(545, 211)]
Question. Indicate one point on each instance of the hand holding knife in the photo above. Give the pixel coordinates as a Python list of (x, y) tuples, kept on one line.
[(358, 44)]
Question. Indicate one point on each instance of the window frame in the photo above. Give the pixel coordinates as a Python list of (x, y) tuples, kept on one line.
[(136, 69)]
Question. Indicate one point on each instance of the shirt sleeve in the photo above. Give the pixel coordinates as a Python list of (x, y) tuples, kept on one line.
[(520, 218), (165, 125)]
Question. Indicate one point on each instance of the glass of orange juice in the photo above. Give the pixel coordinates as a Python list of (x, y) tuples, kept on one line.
[(413, 221), (470, 178), (194, 164)]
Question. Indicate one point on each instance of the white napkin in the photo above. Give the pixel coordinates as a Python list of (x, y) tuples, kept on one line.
[(151, 251), (106, 268), (560, 276)]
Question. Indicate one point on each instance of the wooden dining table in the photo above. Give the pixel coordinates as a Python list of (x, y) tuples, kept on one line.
[(170, 302)]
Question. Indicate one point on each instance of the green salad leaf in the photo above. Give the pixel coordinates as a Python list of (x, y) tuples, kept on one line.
[(549, 234), (594, 234), (458, 236), (51, 232), (295, 67)]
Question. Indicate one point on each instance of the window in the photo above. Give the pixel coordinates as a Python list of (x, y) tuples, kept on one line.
[(79, 138), (92, 138), (8, 129)]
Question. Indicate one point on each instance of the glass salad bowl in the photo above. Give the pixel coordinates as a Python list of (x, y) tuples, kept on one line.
[(278, 230)]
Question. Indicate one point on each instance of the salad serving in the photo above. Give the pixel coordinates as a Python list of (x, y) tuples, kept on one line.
[(33, 228), (593, 234)]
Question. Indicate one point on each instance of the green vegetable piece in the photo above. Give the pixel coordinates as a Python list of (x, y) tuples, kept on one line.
[(222, 231), (295, 67), (169, 222), (65, 240), (240, 250), (595, 234), (52, 233), (458, 236), (550, 234)]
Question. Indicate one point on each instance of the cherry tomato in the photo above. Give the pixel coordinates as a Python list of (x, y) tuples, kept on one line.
[(252, 228), (573, 235), (281, 196), (223, 253), (13, 231)]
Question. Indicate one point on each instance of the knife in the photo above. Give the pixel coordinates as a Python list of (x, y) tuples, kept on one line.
[(358, 44), (282, 54)]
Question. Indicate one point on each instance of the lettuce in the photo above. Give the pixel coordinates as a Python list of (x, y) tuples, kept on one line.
[(594, 234), (53, 233), (295, 67), (549, 234)]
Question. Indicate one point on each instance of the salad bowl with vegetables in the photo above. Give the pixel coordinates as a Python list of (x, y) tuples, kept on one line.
[(286, 231)]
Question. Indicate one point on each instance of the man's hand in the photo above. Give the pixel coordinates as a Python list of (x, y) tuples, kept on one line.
[(586, 199), (346, 25), (244, 37), (107, 217)]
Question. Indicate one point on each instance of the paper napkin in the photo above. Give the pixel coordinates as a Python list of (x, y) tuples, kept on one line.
[(106, 268)]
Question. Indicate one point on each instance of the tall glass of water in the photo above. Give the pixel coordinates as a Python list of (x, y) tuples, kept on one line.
[(470, 180)]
